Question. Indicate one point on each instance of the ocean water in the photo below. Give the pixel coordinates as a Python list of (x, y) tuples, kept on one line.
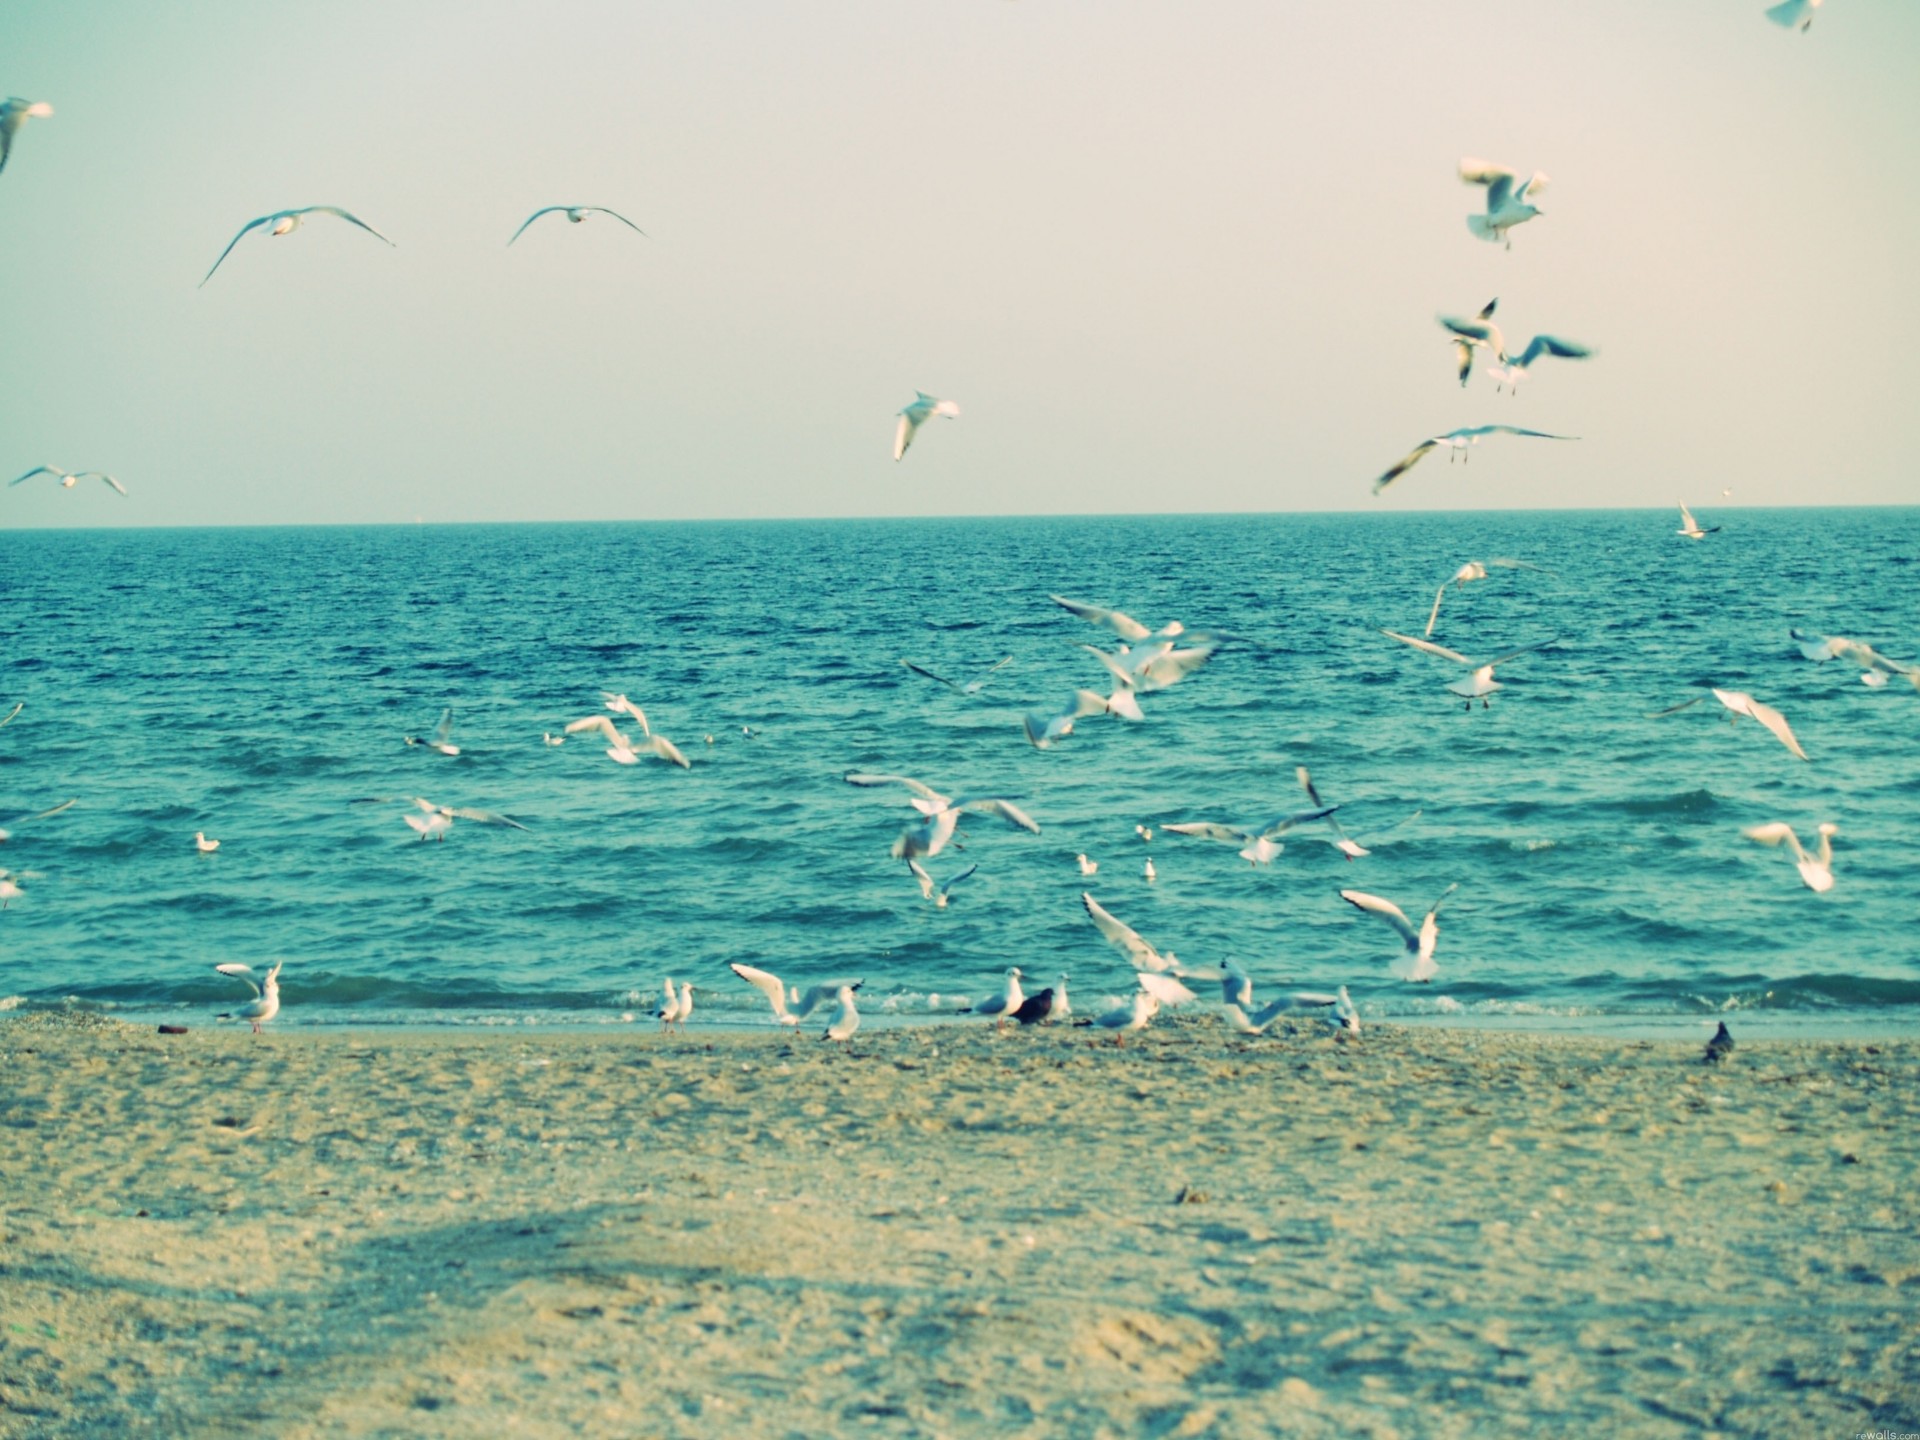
[(257, 684)]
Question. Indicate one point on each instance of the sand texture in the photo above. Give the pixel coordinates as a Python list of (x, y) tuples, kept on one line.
[(950, 1231)]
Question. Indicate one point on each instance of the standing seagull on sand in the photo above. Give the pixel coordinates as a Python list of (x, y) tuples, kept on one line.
[(1790, 13), (1006, 1003), (916, 415), (1816, 871), (1417, 964), (575, 213), (266, 1003), (846, 1019), (15, 112), (284, 222), (1690, 528), (1455, 442), (1508, 204), (69, 478)]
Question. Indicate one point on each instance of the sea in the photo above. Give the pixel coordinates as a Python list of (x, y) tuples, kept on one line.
[(258, 685)]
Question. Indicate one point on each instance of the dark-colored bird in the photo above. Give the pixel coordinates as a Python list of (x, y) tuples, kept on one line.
[(1719, 1047)]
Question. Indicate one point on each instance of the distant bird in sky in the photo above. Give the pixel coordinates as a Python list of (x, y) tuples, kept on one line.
[(283, 222), (1480, 333), (1456, 442), (1479, 685), (1508, 204), (266, 1002), (575, 213), (69, 478), (1739, 703), (1471, 571), (1417, 964), (1790, 13), (442, 741), (916, 415), (15, 112), (970, 687), (1690, 528), (1816, 871)]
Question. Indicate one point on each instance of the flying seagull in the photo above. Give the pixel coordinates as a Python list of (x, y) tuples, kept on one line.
[(1690, 528), (790, 1003), (1044, 730), (1508, 204), (283, 222), (442, 741), (576, 213), (930, 890), (1739, 703), (1480, 684), (433, 821), (1471, 571), (1815, 870), (15, 112), (916, 415), (970, 687), (6, 834), (69, 478), (1875, 668), (1417, 964), (1480, 333), (1122, 624), (1456, 442), (1260, 840), (941, 814)]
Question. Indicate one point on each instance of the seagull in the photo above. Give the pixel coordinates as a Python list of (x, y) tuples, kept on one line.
[(1788, 14), (442, 740), (15, 112), (916, 415), (1006, 1002), (790, 1003), (1129, 1016), (436, 820), (10, 884), (204, 845), (674, 1009), (1719, 1047), (284, 222), (1456, 442), (940, 815), (576, 213), (1046, 1006), (1345, 1020), (927, 888), (1815, 870), (1044, 731), (621, 705), (6, 834), (1147, 871), (1341, 840), (623, 751), (69, 478), (846, 1019), (1259, 841), (1875, 668), (1140, 954), (1145, 832), (1471, 571), (1256, 1022), (1164, 988), (1087, 867), (1507, 205), (971, 687), (550, 739), (1739, 703), (1123, 625), (7, 719), (1690, 529), (1417, 964), (266, 1002), (1147, 669), (1480, 332), (1481, 683)]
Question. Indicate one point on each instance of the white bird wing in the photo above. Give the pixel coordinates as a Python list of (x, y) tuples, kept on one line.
[(1386, 910), (1773, 834), (1434, 614), (768, 984), (1113, 665), (1171, 666), (485, 817), (601, 724), (1209, 830), (621, 705), (1686, 519), (903, 433), (1005, 809), (1164, 988), (1479, 331), (38, 470), (602, 210), (102, 475), (1463, 360), (1125, 626), (1515, 654), (925, 792), (947, 889), (814, 996), (667, 751), (1431, 648), (1485, 172), (1404, 464), (1514, 430), (1505, 564), (920, 874), (1129, 941), (531, 218), (250, 225), (444, 730), (240, 972), (1777, 723), (1536, 184), (1285, 823), (345, 215)]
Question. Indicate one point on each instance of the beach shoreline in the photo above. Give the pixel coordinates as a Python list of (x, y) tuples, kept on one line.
[(949, 1230)]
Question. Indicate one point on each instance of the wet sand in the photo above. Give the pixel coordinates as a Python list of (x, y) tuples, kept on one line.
[(951, 1231)]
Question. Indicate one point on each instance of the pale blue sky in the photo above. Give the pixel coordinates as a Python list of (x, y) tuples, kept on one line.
[(1166, 258)]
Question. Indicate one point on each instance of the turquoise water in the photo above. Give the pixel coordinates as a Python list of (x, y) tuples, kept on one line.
[(257, 684)]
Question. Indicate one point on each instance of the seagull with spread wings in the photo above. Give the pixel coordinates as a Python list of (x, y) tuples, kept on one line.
[(1508, 204), (285, 222), (1480, 685), (1456, 443), (575, 213), (68, 478), (1739, 703)]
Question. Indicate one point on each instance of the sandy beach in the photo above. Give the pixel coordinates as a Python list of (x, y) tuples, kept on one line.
[(952, 1231)]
